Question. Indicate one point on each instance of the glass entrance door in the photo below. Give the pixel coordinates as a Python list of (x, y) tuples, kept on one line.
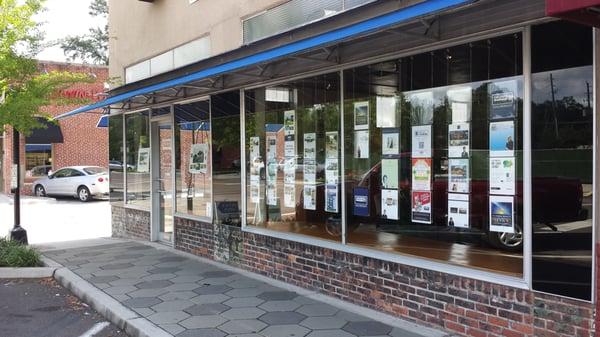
[(163, 181)]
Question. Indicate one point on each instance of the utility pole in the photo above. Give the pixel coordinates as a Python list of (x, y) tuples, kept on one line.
[(18, 233), (554, 105)]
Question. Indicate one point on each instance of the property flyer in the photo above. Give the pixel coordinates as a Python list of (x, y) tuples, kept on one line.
[(502, 214), (458, 210), (331, 171), (361, 201), (310, 145), (289, 148), (331, 144), (143, 160), (254, 191), (503, 99), (386, 111), (389, 204), (390, 142), (421, 141), (271, 147), (421, 174), (458, 140), (460, 103), (310, 171), (254, 147), (198, 158), (310, 197), (389, 173), (289, 124), (421, 107), (331, 198), (361, 115), (271, 194), (502, 139), (502, 176), (361, 144), (289, 171), (421, 206), (458, 177), (271, 160), (289, 195)]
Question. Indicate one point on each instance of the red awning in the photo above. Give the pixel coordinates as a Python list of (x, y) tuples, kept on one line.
[(586, 12)]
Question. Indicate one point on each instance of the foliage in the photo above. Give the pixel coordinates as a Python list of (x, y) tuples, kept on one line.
[(92, 46), (15, 254)]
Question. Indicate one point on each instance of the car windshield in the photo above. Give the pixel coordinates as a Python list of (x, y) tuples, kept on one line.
[(92, 170)]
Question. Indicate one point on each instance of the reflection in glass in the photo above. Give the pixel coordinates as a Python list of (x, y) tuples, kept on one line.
[(138, 158), (115, 159)]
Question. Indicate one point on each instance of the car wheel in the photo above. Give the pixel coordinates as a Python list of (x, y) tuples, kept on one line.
[(512, 242), (40, 191), (83, 193)]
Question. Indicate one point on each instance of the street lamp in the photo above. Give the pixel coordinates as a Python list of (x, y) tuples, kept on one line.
[(18, 233)]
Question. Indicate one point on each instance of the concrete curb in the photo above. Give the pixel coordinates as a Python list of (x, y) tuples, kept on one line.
[(32, 272)]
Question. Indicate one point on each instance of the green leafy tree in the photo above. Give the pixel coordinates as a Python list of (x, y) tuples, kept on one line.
[(92, 46)]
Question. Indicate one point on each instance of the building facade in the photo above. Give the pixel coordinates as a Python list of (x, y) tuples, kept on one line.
[(434, 160)]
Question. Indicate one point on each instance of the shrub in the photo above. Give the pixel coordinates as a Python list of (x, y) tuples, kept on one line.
[(14, 254)]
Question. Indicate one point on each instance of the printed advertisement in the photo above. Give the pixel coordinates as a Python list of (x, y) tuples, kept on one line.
[(389, 173), (289, 148), (310, 171), (458, 175), (289, 124), (502, 176), (502, 139), (289, 195), (289, 171), (389, 204), (255, 191), (361, 144), (421, 207), (386, 111), (421, 141), (271, 194), (271, 160), (310, 197), (361, 115), (198, 158), (254, 147), (458, 210), (458, 140), (421, 174), (143, 160), (310, 145), (361, 201), (422, 107), (331, 144), (331, 198), (502, 214), (331, 171), (460, 102), (390, 142), (503, 99)]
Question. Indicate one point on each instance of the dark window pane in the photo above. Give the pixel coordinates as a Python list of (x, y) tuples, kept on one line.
[(560, 45), (116, 166), (137, 126)]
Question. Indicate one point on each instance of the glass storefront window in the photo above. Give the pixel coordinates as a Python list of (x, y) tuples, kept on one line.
[(38, 159), (137, 140), (116, 167), (293, 157), (193, 167)]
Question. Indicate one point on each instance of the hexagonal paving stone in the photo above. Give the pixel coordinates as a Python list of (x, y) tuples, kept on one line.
[(290, 330), (102, 279), (142, 302), (279, 306), (186, 278), (217, 274), (212, 289), (182, 286), (242, 326), (320, 309), (245, 292), (202, 332), (282, 317), (119, 290), (147, 292), (178, 295), (245, 283), (367, 328), (163, 270), (158, 277), (207, 309), (330, 333), (203, 322), (323, 322), (171, 259), (170, 317), (214, 298), (242, 302), (278, 295), (116, 266), (243, 313), (154, 284), (175, 305)]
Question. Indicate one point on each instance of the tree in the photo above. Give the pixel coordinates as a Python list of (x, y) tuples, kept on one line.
[(92, 46)]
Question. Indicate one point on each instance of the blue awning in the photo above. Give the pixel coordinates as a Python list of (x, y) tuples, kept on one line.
[(370, 25), (102, 122)]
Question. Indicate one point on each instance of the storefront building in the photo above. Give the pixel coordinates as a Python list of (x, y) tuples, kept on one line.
[(433, 160)]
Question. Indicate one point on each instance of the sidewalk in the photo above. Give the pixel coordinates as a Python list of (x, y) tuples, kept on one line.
[(188, 296)]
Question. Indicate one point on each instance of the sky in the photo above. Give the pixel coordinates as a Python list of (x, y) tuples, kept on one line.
[(63, 18)]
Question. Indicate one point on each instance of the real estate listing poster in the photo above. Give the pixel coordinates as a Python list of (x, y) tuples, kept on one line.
[(502, 139), (389, 173), (143, 160), (502, 176), (460, 103), (421, 141), (198, 158), (331, 198), (386, 111), (289, 195), (390, 142), (503, 99), (289, 124), (255, 191), (458, 175), (361, 201), (502, 214), (310, 145), (458, 140), (289, 148), (331, 144), (421, 104), (389, 204), (254, 148), (289, 171), (271, 146), (421, 206), (458, 210), (310, 171), (331, 171), (310, 197), (361, 144), (361, 115), (421, 174), (271, 194)]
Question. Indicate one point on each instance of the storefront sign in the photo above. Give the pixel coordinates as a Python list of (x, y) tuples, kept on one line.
[(361, 201)]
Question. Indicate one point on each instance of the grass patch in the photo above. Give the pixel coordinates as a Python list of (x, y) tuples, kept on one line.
[(14, 254)]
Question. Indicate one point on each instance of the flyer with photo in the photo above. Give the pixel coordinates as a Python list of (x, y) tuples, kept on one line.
[(458, 140), (255, 192), (143, 160), (310, 171), (361, 201), (271, 146), (389, 204), (254, 147), (289, 148), (502, 176), (361, 144), (289, 195), (502, 139), (458, 175), (198, 158), (331, 171), (310, 145), (389, 173), (310, 197), (502, 214), (421, 174), (421, 207), (390, 142), (458, 210), (289, 124), (289, 171), (386, 111), (421, 107), (421, 141), (271, 194), (331, 144), (503, 99), (460, 103), (361, 115), (331, 198)]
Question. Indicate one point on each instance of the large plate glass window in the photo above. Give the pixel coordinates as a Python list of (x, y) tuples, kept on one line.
[(137, 143), (116, 167)]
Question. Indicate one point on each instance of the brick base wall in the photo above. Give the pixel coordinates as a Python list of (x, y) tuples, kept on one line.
[(130, 223)]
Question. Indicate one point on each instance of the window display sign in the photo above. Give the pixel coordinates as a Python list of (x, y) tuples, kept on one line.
[(331, 198), (310, 171), (389, 173), (502, 214), (361, 144), (143, 160), (421, 174), (331, 144), (502, 139), (390, 142), (331, 171), (389, 204), (271, 194), (458, 177), (421, 141), (289, 148), (421, 206), (310, 145), (458, 210), (460, 104), (386, 111), (503, 103), (289, 195), (502, 176), (361, 115), (255, 191), (289, 124), (458, 140), (289, 171), (310, 197), (361, 201), (422, 107), (254, 147)]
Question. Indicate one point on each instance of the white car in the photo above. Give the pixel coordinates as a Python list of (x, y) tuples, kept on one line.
[(82, 182)]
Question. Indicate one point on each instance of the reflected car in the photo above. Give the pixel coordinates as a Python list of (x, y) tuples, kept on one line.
[(82, 182), (117, 165)]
